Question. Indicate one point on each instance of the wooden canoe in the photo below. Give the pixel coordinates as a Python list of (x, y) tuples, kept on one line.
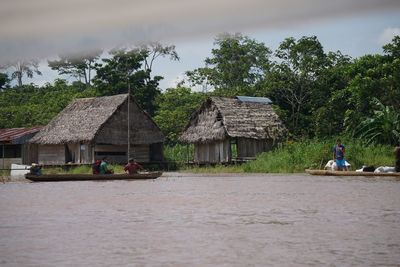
[(91, 177), (350, 173)]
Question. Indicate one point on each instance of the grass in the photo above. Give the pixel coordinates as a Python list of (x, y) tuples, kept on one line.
[(297, 156), (291, 157)]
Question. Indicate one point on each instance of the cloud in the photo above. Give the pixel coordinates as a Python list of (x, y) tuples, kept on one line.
[(387, 35), (43, 28)]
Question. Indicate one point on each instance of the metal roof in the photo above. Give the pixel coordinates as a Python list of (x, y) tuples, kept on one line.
[(18, 135), (263, 100)]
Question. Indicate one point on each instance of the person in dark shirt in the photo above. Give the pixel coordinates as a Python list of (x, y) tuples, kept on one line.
[(338, 155), (36, 169), (132, 167)]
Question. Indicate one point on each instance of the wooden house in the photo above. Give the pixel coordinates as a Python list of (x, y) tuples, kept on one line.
[(14, 146), (248, 123), (97, 127)]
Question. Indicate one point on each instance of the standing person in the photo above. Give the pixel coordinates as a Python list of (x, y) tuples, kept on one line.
[(338, 155), (104, 168), (132, 167), (397, 156)]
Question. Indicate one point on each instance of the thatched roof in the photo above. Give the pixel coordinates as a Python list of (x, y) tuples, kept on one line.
[(82, 119), (222, 117)]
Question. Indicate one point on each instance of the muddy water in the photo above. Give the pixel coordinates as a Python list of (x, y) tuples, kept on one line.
[(188, 220)]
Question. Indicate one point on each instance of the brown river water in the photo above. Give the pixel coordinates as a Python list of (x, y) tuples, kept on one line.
[(202, 220)]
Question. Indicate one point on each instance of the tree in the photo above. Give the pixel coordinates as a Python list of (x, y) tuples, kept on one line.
[(238, 62), (175, 107), (155, 50), (373, 76), (123, 71), (79, 66), (294, 78), (21, 68), (3, 80)]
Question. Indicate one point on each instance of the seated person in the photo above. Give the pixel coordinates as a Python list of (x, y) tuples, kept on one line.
[(96, 167), (104, 168), (132, 167), (36, 169)]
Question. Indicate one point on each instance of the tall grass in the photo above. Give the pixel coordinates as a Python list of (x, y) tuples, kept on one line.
[(297, 156), (179, 153)]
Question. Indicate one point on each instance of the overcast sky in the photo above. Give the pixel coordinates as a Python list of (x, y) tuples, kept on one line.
[(46, 28)]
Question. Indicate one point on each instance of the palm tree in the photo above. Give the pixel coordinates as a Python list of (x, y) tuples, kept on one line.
[(24, 67)]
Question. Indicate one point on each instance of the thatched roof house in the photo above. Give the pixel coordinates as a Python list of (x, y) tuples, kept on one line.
[(250, 123), (90, 128)]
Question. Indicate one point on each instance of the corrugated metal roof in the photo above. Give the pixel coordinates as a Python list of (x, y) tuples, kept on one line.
[(12, 135), (263, 100)]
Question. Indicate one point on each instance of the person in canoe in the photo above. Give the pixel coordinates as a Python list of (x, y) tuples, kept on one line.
[(338, 155), (132, 167), (35, 169), (397, 157), (104, 167), (96, 167)]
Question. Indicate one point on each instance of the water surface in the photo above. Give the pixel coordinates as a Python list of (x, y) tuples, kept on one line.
[(198, 220)]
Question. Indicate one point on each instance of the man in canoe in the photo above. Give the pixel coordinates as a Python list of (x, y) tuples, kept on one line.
[(132, 167), (104, 168), (338, 155)]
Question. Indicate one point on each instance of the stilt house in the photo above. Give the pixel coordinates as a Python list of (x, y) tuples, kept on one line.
[(246, 125), (14, 146), (93, 128)]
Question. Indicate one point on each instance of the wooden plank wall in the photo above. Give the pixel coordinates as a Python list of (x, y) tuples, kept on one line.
[(29, 153), (216, 152), (51, 154), (141, 153)]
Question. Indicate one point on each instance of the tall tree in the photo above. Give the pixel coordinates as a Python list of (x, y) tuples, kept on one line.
[(237, 62), (79, 66), (294, 78), (124, 70), (20, 68)]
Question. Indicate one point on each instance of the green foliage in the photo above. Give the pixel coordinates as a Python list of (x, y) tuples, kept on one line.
[(123, 72), (175, 106), (4, 80), (298, 82), (297, 156), (237, 63), (178, 153), (29, 105), (383, 127)]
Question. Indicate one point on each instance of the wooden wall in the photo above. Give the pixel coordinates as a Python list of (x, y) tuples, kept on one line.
[(142, 129), (29, 153), (51, 154), (216, 152), (249, 148), (118, 154)]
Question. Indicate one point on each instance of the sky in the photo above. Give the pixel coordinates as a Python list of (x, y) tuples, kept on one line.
[(43, 29)]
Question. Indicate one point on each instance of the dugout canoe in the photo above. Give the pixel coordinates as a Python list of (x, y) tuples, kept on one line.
[(91, 177), (350, 173)]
